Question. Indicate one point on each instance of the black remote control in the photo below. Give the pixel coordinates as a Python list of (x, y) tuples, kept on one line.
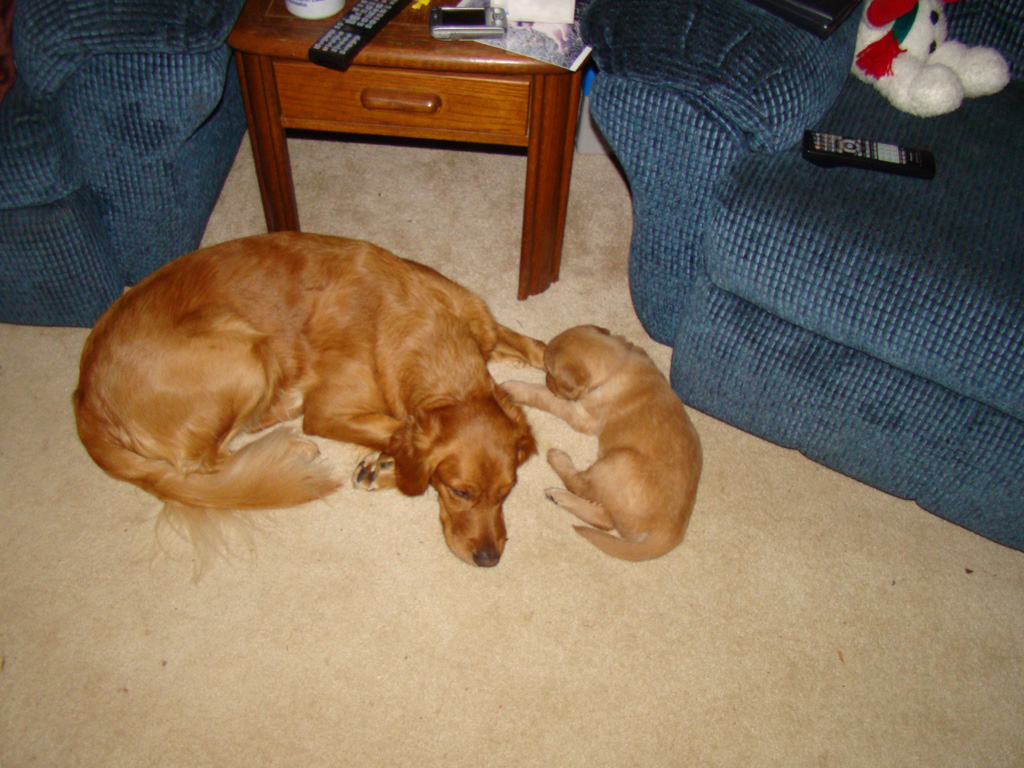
[(828, 150), (339, 45)]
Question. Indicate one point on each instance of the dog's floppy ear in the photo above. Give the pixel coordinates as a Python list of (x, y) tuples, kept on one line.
[(526, 446), (412, 448)]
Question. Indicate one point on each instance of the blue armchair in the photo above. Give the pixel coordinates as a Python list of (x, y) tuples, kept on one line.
[(115, 138), (874, 322)]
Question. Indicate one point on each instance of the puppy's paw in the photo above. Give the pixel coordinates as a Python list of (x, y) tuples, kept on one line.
[(519, 391), (588, 511), (560, 462), (557, 495), (374, 472)]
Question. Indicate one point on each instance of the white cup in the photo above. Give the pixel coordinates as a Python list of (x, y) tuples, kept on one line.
[(314, 9)]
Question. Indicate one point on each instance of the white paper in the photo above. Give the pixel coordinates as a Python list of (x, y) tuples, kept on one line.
[(546, 11)]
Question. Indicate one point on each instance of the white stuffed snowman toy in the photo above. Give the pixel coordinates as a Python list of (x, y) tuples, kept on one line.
[(902, 49)]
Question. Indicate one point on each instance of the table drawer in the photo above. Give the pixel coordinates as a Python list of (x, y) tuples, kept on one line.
[(455, 106)]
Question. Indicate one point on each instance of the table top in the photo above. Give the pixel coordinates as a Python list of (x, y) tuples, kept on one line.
[(266, 28)]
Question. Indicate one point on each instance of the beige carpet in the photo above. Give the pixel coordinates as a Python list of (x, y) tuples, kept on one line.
[(807, 620)]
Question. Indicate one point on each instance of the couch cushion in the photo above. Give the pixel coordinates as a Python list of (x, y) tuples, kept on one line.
[(927, 276), (35, 162), (998, 24), (955, 456), (758, 72), (56, 263), (53, 39)]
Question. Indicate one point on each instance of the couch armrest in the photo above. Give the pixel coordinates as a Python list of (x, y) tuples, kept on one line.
[(764, 77), (53, 37)]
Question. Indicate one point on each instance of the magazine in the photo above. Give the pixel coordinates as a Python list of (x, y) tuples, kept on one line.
[(558, 44)]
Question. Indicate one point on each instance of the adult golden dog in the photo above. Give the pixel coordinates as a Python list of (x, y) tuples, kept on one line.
[(368, 348), (644, 482)]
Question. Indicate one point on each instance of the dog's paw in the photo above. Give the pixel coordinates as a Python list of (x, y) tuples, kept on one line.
[(306, 449), (374, 472)]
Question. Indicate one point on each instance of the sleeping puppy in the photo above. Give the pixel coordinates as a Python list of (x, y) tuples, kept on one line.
[(366, 347), (644, 481)]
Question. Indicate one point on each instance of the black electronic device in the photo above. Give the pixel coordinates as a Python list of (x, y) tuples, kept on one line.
[(828, 150), (821, 17), (467, 23), (339, 45)]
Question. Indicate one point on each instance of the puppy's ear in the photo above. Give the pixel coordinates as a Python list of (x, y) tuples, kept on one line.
[(568, 377), (412, 449)]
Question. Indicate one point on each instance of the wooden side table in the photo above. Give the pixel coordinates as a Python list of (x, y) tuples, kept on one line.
[(406, 84)]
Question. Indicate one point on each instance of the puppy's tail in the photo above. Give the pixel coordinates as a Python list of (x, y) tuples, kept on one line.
[(657, 543)]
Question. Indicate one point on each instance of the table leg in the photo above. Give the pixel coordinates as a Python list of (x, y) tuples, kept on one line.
[(269, 145), (554, 111)]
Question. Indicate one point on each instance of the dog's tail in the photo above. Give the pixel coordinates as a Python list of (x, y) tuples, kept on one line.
[(276, 470), (657, 543)]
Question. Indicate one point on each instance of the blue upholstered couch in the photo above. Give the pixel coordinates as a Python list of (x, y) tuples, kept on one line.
[(873, 322), (115, 139)]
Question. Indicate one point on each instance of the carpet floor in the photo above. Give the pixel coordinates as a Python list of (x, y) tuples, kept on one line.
[(806, 620)]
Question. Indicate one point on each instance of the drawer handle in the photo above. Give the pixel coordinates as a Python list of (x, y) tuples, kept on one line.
[(400, 101)]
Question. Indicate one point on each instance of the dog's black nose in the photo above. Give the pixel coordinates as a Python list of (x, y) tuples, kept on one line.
[(486, 558)]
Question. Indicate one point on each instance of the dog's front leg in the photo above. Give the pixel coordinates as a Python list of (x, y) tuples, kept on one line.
[(372, 430), (347, 405), (376, 470)]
